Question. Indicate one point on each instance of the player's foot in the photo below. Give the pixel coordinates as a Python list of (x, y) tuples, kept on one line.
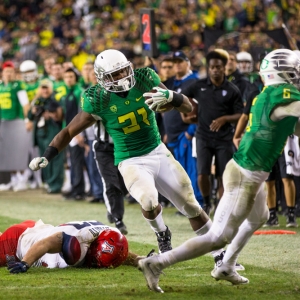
[(110, 218), (121, 226), (151, 270), (219, 273), (164, 240), (291, 221), (272, 222), (218, 259)]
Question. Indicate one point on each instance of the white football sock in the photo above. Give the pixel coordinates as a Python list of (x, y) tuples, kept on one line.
[(158, 223), (190, 249), (240, 240), (204, 229)]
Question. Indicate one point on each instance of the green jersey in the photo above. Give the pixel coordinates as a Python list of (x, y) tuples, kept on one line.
[(31, 89), (264, 139), (128, 120), (60, 89), (83, 84), (10, 107)]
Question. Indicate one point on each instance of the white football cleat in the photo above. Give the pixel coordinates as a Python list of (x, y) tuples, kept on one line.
[(151, 270), (219, 258), (235, 278)]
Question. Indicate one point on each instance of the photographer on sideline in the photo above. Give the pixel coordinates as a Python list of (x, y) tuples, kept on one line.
[(47, 114)]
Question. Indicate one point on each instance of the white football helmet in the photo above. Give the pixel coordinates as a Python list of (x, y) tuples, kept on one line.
[(244, 62), (109, 66), (29, 72), (281, 66)]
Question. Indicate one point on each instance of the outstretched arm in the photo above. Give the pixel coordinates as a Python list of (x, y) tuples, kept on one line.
[(80, 122), (51, 244)]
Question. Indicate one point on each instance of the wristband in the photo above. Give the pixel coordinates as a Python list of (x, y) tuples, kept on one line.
[(177, 100), (50, 152)]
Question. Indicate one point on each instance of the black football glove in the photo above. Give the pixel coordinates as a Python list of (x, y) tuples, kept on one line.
[(18, 267)]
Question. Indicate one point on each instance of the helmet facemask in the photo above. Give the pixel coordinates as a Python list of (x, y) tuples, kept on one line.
[(111, 81), (30, 76)]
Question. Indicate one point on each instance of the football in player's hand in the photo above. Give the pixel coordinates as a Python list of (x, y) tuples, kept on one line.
[(164, 108)]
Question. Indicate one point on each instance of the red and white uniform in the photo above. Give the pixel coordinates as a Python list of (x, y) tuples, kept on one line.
[(77, 237)]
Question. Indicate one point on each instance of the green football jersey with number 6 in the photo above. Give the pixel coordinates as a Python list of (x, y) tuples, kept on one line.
[(264, 140), (129, 121), (10, 107)]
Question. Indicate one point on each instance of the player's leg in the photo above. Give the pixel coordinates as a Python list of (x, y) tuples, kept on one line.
[(223, 154), (233, 209), (257, 216), (173, 182), (289, 191), (9, 240), (204, 161), (138, 174), (271, 198)]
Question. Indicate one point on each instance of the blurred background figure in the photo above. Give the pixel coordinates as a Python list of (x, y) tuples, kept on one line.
[(30, 76), (178, 134), (14, 137), (47, 116)]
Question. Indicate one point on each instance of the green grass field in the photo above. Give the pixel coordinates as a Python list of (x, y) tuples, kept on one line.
[(271, 261)]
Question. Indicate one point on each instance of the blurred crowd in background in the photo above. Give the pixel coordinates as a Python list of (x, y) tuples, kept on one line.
[(78, 30)]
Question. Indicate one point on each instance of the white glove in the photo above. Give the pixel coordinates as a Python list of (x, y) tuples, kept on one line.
[(158, 99), (37, 163)]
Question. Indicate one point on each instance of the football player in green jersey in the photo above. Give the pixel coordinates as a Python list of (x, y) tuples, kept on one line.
[(30, 76), (146, 165), (243, 209), (14, 141)]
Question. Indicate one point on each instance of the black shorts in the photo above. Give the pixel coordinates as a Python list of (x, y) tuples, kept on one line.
[(279, 169), (206, 149)]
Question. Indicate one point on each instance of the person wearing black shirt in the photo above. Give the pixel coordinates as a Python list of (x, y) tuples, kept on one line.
[(219, 106)]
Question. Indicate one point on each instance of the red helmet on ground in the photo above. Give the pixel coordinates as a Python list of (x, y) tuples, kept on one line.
[(109, 250)]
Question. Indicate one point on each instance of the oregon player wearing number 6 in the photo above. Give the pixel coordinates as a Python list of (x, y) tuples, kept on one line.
[(79, 244), (143, 160), (243, 208)]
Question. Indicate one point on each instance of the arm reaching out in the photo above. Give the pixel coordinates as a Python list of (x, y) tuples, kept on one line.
[(80, 122), (51, 244)]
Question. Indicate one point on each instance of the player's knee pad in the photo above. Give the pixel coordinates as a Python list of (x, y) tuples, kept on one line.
[(148, 201), (191, 208)]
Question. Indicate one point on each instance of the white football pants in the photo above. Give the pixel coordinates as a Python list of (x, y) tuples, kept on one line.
[(158, 171)]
